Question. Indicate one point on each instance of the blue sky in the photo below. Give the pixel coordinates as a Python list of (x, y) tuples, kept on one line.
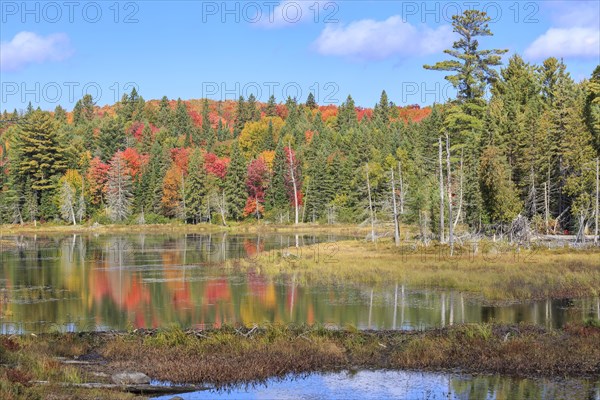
[(53, 52)]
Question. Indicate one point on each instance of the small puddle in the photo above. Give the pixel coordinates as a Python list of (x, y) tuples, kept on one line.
[(376, 385)]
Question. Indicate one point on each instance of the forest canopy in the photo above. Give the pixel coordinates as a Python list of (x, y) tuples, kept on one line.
[(530, 148)]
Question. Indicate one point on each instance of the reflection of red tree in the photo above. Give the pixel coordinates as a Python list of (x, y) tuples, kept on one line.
[(257, 285), (122, 287), (99, 284), (252, 247), (137, 295), (178, 287), (310, 314), (140, 320), (182, 297), (217, 290)]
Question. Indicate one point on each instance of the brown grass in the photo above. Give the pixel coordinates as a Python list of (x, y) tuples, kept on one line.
[(240, 355), (497, 272)]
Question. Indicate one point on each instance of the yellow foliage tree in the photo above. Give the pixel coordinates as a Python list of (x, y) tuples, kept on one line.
[(172, 199), (254, 135)]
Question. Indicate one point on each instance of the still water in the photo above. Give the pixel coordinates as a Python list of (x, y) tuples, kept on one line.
[(372, 385), (100, 282)]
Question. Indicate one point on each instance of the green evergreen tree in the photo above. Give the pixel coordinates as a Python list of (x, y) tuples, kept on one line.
[(83, 111), (499, 195), (472, 67), (60, 114), (240, 117), (182, 124), (271, 110), (346, 118), (252, 111), (111, 139), (164, 116), (152, 179), (592, 107), (276, 198), (381, 111), (207, 131), (40, 151), (235, 191), (196, 187), (310, 101), (269, 143)]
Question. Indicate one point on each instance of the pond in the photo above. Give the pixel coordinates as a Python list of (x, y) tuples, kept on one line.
[(98, 282), (375, 385)]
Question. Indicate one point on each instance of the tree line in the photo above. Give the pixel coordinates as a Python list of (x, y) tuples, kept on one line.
[(528, 149)]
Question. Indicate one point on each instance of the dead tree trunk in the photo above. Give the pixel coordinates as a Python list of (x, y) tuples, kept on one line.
[(441, 190), (293, 183), (597, 211), (449, 183), (370, 204), (401, 182), (460, 197), (396, 227)]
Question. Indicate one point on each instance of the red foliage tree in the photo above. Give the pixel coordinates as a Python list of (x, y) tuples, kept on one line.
[(257, 181), (215, 166), (136, 130), (96, 179), (363, 112), (414, 113), (196, 118), (328, 111), (180, 157), (308, 135), (134, 161)]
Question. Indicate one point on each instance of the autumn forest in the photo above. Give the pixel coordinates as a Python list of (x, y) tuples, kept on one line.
[(529, 148)]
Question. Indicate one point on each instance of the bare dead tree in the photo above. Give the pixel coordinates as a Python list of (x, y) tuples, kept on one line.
[(460, 196), (396, 227), (597, 210), (449, 184), (370, 204), (402, 188), (67, 201), (222, 206), (441, 168), (293, 183), (119, 193), (546, 208)]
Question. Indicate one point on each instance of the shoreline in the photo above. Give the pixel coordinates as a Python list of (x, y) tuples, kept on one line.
[(230, 355), (505, 275), (46, 229)]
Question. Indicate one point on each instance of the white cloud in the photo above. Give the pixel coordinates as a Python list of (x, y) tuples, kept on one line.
[(575, 31), (566, 42), (376, 40), (27, 48)]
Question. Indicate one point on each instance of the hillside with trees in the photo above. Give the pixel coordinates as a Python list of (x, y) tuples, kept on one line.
[(476, 163)]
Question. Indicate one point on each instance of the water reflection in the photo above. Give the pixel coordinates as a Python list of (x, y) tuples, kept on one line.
[(409, 385), (84, 282)]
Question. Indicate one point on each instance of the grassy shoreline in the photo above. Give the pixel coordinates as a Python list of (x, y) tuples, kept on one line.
[(496, 274), (230, 355), (234, 228)]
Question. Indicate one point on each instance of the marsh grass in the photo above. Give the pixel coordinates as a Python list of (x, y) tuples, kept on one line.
[(498, 273), (179, 227), (27, 359), (236, 355)]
